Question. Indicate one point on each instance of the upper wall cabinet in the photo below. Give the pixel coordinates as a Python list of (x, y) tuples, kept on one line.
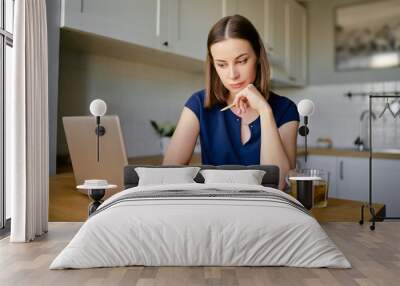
[(296, 53), (176, 26), (274, 31), (181, 27), (134, 21), (189, 22), (282, 25), (251, 9)]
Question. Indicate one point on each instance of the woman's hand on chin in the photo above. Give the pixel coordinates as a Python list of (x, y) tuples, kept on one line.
[(250, 97)]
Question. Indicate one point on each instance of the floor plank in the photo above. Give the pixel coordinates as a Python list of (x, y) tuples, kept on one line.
[(375, 257)]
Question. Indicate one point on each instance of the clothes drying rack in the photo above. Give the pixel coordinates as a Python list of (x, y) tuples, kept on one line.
[(371, 96)]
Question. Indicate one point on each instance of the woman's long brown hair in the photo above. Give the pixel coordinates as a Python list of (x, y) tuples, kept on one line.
[(234, 27)]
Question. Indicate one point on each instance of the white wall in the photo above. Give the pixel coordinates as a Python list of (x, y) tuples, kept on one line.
[(135, 91), (338, 117), (321, 19)]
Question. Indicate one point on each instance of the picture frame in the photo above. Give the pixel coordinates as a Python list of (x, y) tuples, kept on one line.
[(367, 35)]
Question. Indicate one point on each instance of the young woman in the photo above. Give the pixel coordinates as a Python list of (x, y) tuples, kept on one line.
[(262, 126)]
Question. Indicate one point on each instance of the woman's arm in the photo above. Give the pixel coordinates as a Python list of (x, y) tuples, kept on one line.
[(183, 141), (278, 146)]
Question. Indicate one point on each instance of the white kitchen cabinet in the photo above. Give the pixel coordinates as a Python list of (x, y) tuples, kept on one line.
[(181, 27), (285, 36), (251, 9), (386, 184), (275, 31), (348, 176), (349, 179), (296, 57), (175, 26), (282, 25), (354, 182), (189, 22), (268, 16), (352, 178), (134, 21)]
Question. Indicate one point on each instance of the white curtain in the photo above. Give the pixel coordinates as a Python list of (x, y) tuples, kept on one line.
[(27, 143)]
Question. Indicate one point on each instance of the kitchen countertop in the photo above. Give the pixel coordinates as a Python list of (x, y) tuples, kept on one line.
[(351, 152)]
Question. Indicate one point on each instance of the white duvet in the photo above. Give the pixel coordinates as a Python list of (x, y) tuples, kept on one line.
[(200, 231)]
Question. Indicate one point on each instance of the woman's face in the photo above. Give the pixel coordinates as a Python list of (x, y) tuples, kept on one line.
[(235, 63)]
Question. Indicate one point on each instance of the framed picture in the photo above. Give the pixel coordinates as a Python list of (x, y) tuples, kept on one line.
[(367, 35)]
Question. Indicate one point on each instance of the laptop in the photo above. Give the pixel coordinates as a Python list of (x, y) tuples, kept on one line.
[(82, 145)]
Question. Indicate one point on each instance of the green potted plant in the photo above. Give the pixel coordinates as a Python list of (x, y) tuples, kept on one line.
[(164, 130)]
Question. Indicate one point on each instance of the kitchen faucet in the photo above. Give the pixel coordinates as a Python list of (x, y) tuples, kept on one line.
[(362, 140)]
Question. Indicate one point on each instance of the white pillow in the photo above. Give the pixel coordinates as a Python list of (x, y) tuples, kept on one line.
[(249, 177), (164, 176)]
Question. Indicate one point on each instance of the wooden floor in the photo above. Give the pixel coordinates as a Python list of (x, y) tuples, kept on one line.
[(68, 205), (374, 255), (65, 202)]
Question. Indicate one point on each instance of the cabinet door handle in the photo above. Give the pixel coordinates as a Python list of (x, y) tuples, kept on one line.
[(341, 170), (165, 43)]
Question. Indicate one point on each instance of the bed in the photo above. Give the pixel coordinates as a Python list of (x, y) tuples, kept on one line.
[(201, 223)]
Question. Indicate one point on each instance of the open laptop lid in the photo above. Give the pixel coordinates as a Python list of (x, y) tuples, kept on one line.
[(82, 145)]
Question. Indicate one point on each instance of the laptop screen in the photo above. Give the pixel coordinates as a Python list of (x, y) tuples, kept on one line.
[(82, 145)]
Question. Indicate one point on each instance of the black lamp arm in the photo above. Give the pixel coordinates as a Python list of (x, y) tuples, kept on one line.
[(100, 131), (303, 131)]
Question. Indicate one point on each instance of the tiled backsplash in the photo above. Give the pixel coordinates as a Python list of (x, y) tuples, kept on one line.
[(338, 117)]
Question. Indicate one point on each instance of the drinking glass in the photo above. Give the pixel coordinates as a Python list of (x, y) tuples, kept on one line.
[(320, 184)]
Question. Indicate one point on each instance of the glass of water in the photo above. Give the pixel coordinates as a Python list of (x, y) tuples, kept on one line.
[(320, 184)]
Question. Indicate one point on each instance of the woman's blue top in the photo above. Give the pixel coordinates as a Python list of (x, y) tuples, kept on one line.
[(220, 132)]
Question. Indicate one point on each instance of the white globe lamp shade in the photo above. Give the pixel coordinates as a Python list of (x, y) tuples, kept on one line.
[(98, 107), (305, 107)]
